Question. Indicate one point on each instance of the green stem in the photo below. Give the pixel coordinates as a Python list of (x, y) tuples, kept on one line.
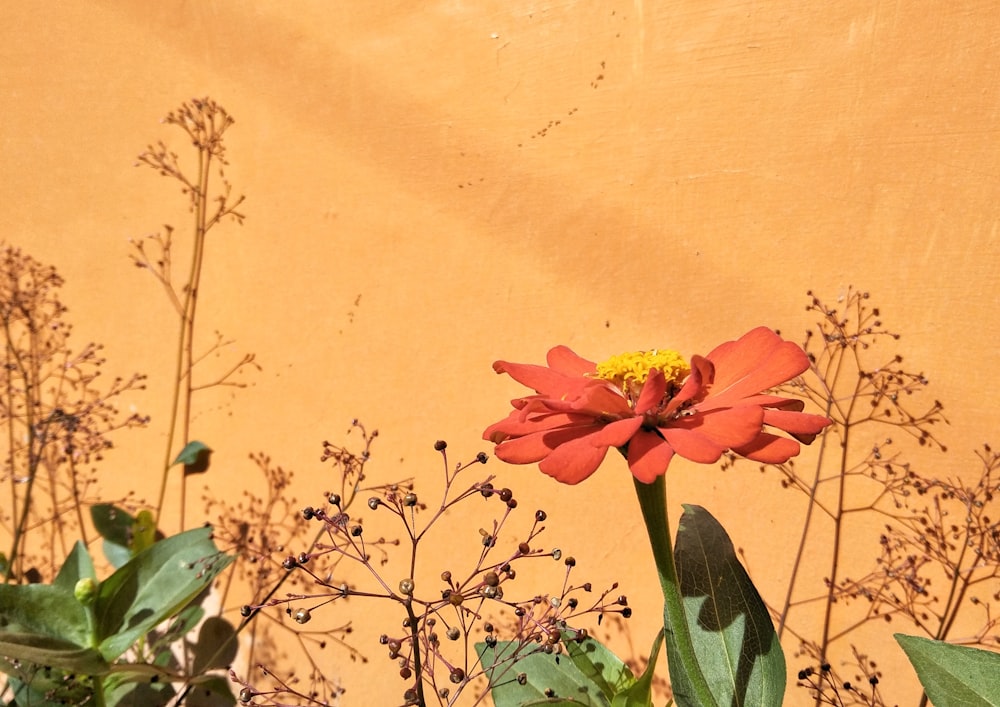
[(653, 502)]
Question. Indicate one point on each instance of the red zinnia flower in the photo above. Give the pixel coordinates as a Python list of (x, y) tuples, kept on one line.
[(651, 405)]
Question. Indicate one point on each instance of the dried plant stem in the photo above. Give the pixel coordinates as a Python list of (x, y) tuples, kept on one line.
[(29, 376)]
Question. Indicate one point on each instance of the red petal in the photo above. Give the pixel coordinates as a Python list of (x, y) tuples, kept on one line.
[(648, 456), (540, 378), (727, 427), (563, 360), (518, 425), (769, 449), (692, 445), (616, 434), (652, 393), (702, 373), (535, 447), (758, 360), (574, 461), (798, 423), (598, 398)]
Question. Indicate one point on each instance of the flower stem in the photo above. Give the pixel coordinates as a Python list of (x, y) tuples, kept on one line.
[(680, 646)]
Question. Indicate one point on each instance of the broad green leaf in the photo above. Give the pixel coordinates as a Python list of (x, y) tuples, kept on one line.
[(137, 689), (115, 526), (45, 687), (116, 555), (586, 674), (77, 566), (144, 533), (125, 535), (113, 523), (154, 585), (44, 610), (640, 694), (733, 637), (51, 652), (598, 664), (954, 675), (195, 457)]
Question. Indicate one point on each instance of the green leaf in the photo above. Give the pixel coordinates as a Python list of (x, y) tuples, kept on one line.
[(195, 457), (954, 675), (587, 674), (44, 610), (144, 533), (44, 687), (78, 565), (113, 523), (640, 694), (154, 585), (52, 652), (731, 628), (137, 688)]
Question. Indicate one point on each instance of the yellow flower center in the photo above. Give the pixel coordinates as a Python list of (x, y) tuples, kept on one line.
[(629, 371)]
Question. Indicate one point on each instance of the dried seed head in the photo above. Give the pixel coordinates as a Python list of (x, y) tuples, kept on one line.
[(406, 587), (303, 616)]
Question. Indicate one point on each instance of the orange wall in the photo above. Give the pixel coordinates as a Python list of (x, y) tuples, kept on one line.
[(496, 177)]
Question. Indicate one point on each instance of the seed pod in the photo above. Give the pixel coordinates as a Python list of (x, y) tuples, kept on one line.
[(302, 616), (406, 587)]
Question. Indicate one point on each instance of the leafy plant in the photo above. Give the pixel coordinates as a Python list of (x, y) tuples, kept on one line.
[(80, 639)]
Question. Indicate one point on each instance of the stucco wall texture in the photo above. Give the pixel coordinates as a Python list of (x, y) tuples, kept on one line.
[(432, 186)]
